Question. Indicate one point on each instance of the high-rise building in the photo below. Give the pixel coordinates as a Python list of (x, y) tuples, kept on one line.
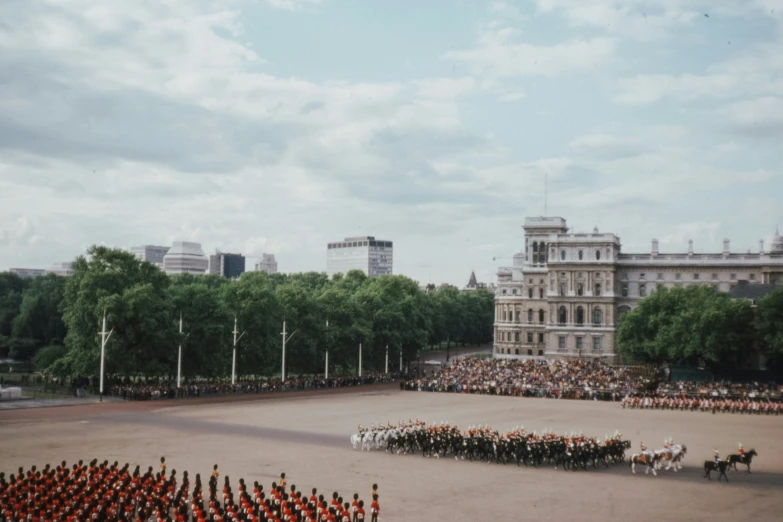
[(371, 256), (61, 269), (267, 264), (26, 273), (185, 257), (227, 265), (153, 254), (565, 293)]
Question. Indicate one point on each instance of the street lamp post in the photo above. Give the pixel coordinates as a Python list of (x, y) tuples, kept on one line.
[(360, 359), (387, 358), (285, 340), (234, 354), (326, 365), (104, 339)]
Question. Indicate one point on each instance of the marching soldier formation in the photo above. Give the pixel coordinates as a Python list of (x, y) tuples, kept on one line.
[(104, 492)]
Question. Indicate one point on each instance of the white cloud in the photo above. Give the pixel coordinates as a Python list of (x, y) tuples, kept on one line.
[(292, 5), (151, 122), (510, 96), (501, 54), (506, 10), (754, 73), (757, 116)]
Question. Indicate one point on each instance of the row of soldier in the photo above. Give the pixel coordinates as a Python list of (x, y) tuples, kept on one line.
[(108, 492), (571, 451), (705, 404)]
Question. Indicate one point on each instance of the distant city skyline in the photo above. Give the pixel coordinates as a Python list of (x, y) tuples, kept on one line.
[(262, 127)]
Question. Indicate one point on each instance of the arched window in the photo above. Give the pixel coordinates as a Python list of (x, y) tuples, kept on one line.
[(519, 314), (541, 293), (562, 289), (597, 292), (530, 316), (535, 246), (581, 254), (598, 316), (540, 316), (505, 315), (643, 290), (580, 315), (562, 255), (563, 315), (598, 254), (530, 293), (542, 250), (580, 289)]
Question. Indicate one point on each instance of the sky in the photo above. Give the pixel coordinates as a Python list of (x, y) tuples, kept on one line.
[(281, 125)]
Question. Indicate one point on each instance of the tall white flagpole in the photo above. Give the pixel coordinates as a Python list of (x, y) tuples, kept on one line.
[(387, 358), (282, 372), (234, 355), (104, 340), (326, 369), (179, 353)]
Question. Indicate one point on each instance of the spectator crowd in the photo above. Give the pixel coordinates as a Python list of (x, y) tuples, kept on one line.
[(561, 379), (108, 492), (156, 388), (533, 378)]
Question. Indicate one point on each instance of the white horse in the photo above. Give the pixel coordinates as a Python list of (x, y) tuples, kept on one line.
[(356, 439), (673, 457)]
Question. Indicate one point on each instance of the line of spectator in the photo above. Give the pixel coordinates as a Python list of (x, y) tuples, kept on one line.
[(561, 379), (159, 389)]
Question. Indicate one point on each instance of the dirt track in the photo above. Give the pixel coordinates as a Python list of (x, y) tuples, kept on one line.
[(307, 435)]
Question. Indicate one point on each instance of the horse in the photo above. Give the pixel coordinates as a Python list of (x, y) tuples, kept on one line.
[(720, 467), (356, 439), (645, 459), (742, 459), (672, 456)]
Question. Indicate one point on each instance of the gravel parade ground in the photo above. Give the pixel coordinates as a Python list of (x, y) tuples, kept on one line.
[(306, 435)]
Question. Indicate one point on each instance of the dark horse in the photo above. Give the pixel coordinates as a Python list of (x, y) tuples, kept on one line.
[(744, 459), (720, 467)]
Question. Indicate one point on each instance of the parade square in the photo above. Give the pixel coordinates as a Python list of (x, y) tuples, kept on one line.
[(306, 435)]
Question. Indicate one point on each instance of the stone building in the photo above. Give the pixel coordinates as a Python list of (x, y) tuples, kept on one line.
[(565, 291)]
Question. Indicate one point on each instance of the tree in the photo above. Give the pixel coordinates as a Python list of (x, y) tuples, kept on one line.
[(11, 289), (100, 281), (254, 303), (206, 327), (693, 326), (769, 325), (39, 316)]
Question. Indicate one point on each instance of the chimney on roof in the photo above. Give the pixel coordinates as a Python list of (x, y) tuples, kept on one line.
[(725, 248), (761, 246), (655, 247), (690, 247)]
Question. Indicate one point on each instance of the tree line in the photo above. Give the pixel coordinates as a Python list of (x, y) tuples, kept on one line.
[(54, 321), (698, 326)]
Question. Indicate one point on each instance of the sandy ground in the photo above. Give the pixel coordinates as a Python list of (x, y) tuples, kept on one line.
[(307, 436)]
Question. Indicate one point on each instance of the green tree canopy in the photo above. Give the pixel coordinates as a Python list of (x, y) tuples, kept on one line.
[(693, 326), (769, 326)]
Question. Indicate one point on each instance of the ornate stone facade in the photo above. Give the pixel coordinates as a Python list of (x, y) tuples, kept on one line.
[(564, 293)]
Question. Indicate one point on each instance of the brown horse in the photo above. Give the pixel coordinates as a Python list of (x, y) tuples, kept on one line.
[(742, 459)]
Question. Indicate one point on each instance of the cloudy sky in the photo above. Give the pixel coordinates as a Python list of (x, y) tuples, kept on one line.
[(279, 125)]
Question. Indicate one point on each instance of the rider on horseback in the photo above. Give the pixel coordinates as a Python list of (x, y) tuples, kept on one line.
[(741, 453), (717, 456)]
